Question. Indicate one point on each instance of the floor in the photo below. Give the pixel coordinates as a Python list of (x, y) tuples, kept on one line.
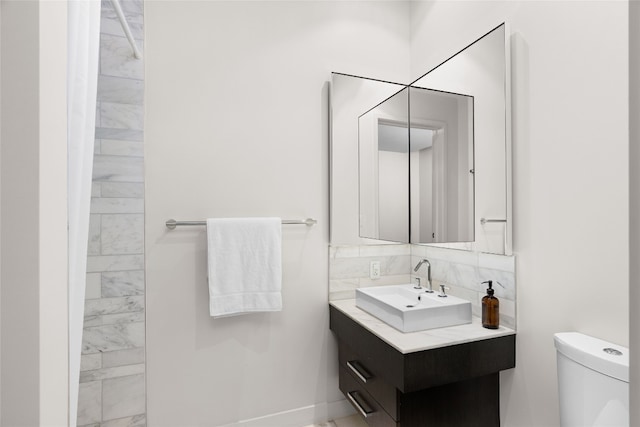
[(352, 421)]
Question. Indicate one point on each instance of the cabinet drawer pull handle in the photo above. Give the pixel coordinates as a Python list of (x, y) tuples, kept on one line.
[(359, 370), (364, 409)]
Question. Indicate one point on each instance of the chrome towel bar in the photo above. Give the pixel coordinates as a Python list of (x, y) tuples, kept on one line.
[(483, 221), (172, 223)]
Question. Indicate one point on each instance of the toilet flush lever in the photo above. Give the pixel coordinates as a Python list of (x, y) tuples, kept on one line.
[(442, 293)]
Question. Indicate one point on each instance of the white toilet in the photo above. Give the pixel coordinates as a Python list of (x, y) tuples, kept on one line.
[(593, 381)]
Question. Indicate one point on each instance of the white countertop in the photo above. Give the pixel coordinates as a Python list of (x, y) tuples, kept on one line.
[(422, 340)]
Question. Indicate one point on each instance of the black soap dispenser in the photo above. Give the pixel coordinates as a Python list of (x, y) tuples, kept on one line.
[(490, 308)]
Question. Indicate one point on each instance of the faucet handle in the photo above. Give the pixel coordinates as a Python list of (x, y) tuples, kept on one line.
[(442, 293), (417, 285)]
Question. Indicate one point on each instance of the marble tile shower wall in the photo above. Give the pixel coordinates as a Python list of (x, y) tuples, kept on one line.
[(112, 377), (462, 271)]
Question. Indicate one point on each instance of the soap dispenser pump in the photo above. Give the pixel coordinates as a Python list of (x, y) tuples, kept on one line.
[(490, 308)]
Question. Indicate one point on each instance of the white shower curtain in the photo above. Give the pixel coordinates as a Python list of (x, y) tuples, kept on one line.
[(82, 83)]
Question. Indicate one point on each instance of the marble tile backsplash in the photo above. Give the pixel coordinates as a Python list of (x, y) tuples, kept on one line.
[(349, 268), (462, 271), (112, 378)]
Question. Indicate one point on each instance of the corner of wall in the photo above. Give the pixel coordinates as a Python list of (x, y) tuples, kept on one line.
[(634, 207)]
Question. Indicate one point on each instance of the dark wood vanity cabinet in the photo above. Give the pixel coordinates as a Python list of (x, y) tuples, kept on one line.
[(451, 386)]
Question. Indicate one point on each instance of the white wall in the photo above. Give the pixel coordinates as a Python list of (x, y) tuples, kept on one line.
[(237, 125), (570, 148), (634, 208), (19, 306), (34, 372), (0, 209), (236, 128)]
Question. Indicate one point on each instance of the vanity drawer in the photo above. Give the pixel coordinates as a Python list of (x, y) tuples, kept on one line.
[(363, 402), (368, 378)]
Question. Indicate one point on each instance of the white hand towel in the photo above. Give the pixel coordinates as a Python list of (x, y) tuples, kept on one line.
[(245, 265)]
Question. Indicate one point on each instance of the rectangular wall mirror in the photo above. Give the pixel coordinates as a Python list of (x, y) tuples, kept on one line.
[(428, 162)]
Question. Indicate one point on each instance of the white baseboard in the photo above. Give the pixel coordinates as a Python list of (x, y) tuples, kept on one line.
[(300, 417)]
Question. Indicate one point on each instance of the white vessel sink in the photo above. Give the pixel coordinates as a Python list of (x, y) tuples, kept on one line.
[(399, 306)]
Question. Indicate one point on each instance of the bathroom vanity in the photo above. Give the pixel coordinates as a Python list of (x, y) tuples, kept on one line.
[(423, 163), (439, 377)]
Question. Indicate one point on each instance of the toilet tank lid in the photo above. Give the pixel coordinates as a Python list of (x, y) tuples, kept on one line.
[(594, 353)]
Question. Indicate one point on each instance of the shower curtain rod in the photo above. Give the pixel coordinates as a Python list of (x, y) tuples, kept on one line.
[(127, 30)]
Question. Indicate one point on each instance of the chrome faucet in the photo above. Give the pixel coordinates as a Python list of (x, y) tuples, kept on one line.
[(415, 270)]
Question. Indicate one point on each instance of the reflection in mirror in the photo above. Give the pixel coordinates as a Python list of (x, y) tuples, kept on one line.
[(351, 96), (441, 166), (427, 169), (480, 70), (383, 146)]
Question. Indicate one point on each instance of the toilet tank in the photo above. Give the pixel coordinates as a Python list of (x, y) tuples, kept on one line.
[(593, 381)]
